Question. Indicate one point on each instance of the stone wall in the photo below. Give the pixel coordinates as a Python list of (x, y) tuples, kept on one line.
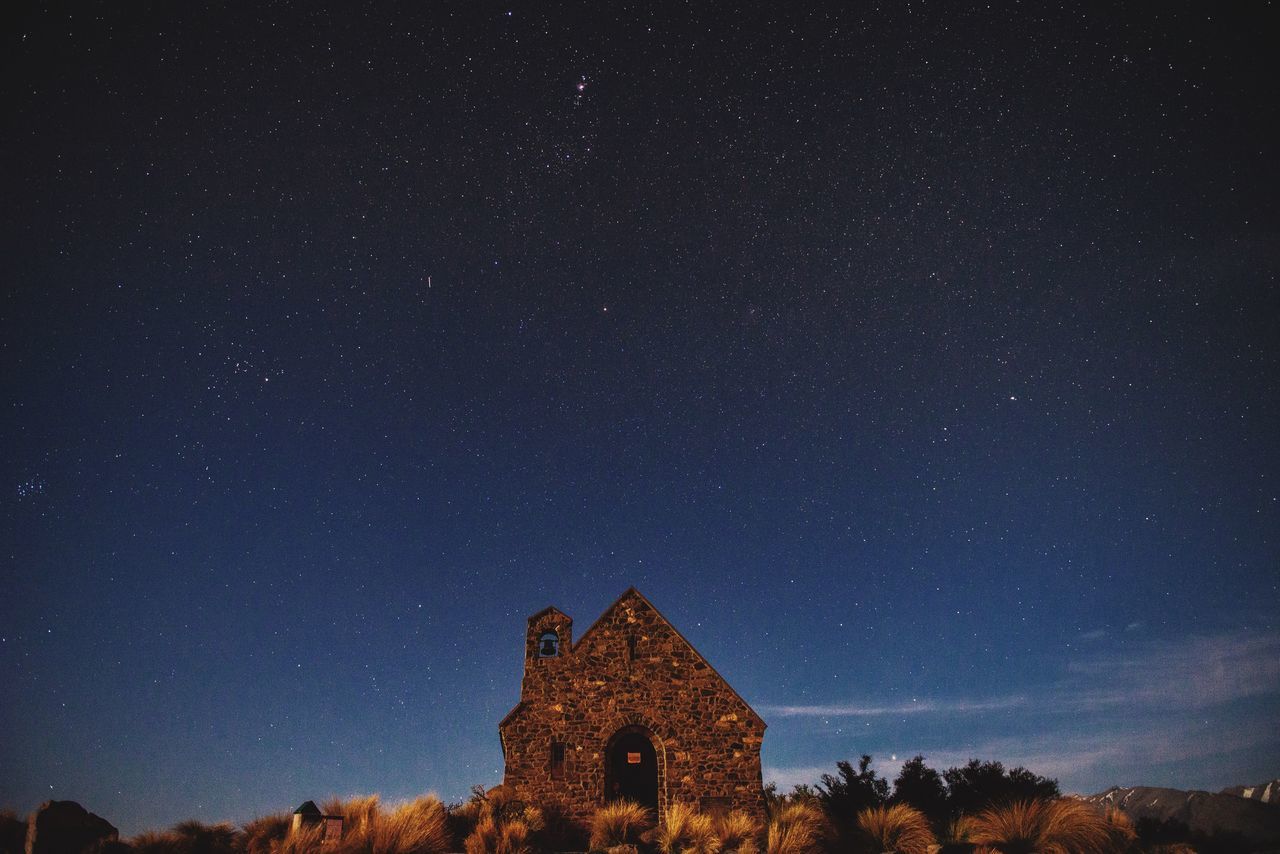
[(631, 668)]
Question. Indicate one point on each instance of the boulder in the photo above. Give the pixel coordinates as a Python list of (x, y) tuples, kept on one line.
[(65, 827)]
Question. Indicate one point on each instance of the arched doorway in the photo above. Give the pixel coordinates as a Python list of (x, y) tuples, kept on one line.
[(631, 768)]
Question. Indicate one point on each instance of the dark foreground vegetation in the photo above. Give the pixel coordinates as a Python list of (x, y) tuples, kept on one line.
[(980, 807)]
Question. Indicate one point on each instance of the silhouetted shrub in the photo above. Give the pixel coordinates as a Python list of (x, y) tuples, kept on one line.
[(1175, 836), (919, 786), (980, 785), (848, 794)]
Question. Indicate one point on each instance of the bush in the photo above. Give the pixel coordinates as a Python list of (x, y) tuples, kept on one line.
[(980, 785), (920, 786), (619, 823), (898, 828), (853, 791)]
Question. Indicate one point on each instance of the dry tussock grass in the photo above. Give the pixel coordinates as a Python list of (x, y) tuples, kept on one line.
[(619, 823), (263, 835), (1120, 828), (419, 826), (308, 840), (491, 836), (899, 828), (189, 837), (960, 830), (686, 831), (738, 833), (1042, 827), (798, 828)]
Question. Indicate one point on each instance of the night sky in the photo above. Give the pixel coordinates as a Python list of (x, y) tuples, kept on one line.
[(918, 364)]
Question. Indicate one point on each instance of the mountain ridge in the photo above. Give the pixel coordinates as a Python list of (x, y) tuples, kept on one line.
[(1228, 811)]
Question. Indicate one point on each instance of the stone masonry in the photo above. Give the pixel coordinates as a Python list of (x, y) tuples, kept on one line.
[(632, 674)]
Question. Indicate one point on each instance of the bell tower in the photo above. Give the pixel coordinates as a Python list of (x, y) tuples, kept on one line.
[(549, 638)]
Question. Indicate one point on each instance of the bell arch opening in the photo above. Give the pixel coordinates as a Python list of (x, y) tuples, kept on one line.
[(631, 768)]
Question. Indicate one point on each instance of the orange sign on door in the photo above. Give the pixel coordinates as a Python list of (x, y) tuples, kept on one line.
[(633, 758)]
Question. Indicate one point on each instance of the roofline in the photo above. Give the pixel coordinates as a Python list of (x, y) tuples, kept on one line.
[(548, 610), (509, 715), (670, 625)]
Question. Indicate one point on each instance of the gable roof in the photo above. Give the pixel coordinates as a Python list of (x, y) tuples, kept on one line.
[(632, 591), (550, 609)]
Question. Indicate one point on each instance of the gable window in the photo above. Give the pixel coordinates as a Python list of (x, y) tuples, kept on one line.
[(631, 647), (557, 760), (548, 645)]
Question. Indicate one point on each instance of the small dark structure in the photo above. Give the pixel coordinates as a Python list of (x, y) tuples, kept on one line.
[(631, 711), (309, 815)]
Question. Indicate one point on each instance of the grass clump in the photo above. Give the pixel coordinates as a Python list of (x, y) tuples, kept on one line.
[(900, 828), (738, 833), (1120, 828), (265, 834), (496, 822), (188, 837), (797, 828), (619, 823), (686, 831), (1042, 827), (491, 836), (419, 826)]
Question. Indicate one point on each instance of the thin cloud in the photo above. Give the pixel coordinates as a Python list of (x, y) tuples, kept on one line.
[(1190, 674), (1184, 675), (849, 710), (1123, 714)]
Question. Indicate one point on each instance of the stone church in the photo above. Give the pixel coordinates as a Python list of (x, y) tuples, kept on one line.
[(631, 710)]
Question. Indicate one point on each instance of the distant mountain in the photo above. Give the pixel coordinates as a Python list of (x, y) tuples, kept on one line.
[(1206, 812), (1268, 793)]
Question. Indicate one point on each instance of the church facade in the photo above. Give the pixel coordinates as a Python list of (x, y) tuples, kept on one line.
[(631, 710)]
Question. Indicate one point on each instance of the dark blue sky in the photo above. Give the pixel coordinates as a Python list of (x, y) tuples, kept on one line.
[(918, 364)]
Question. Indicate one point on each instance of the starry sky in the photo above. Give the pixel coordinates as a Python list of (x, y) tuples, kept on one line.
[(917, 362)]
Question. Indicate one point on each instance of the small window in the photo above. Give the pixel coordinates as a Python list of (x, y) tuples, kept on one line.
[(631, 647), (557, 760), (548, 645)]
